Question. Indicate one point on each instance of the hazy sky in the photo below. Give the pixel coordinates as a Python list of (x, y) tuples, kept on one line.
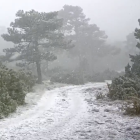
[(116, 17)]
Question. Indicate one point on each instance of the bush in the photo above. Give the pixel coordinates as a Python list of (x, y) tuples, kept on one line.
[(100, 96), (102, 76), (68, 78), (76, 77), (128, 89), (123, 88), (128, 86), (13, 88), (132, 106)]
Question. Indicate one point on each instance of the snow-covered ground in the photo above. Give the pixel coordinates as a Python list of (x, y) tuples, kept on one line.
[(70, 113)]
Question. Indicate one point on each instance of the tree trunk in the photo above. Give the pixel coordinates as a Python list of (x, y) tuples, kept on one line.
[(47, 65), (81, 69), (38, 65), (39, 72)]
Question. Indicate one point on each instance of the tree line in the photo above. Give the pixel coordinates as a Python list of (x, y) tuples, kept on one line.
[(39, 36)]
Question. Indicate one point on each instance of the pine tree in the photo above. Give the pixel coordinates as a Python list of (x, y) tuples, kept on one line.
[(136, 58), (128, 71), (88, 38), (35, 35)]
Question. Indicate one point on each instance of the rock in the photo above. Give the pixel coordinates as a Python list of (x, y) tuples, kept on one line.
[(95, 110), (129, 129), (106, 110), (109, 121), (87, 138), (110, 104), (112, 137), (138, 127), (82, 134), (99, 122), (89, 131)]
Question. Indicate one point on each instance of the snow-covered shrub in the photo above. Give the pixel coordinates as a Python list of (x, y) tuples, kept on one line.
[(61, 75), (123, 88), (128, 89), (68, 78), (128, 86), (132, 106), (102, 76), (13, 88), (100, 96)]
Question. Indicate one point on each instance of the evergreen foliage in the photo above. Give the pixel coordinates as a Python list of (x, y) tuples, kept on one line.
[(13, 88), (127, 87), (35, 35)]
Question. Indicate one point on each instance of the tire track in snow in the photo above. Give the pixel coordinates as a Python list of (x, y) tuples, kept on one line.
[(47, 118)]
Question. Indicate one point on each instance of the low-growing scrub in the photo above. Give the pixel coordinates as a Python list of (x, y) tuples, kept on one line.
[(76, 77), (13, 88), (102, 76), (100, 96), (126, 88), (68, 78), (132, 106), (123, 88)]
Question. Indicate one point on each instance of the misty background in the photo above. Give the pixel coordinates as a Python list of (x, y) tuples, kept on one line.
[(117, 18)]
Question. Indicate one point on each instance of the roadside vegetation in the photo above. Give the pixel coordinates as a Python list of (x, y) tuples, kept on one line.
[(14, 85), (64, 47), (127, 87)]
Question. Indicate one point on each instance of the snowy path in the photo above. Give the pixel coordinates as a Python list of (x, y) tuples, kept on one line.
[(71, 113)]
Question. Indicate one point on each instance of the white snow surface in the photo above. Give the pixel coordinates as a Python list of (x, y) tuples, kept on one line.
[(71, 113)]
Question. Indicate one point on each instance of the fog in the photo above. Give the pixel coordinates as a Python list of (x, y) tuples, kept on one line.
[(112, 25), (116, 17), (69, 69)]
